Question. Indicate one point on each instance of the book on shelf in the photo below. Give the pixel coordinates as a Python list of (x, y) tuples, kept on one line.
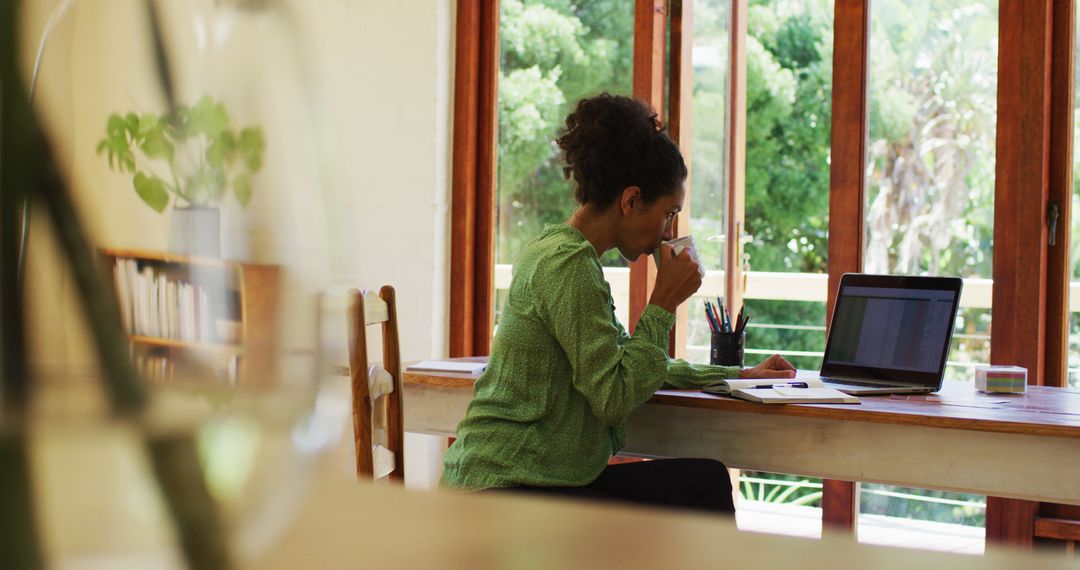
[(778, 391), (155, 303), (154, 368), (162, 369)]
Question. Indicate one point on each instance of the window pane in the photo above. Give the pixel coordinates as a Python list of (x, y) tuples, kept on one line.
[(930, 190), (921, 518), (930, 208), (711, 61), (552, 53), (1074, 249), (788, 95), (780, 504)]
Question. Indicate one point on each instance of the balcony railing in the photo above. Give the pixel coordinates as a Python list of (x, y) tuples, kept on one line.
[(977, 294), (784, 485), (812, 287), (809, 287)]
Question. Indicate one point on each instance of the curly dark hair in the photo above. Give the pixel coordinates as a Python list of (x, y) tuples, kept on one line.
[(612, 142)]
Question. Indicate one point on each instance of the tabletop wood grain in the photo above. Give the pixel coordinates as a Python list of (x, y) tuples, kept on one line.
[(349, 524), (1041, 411)]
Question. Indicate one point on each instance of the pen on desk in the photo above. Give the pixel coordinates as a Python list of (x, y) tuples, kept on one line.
[(783, 385)]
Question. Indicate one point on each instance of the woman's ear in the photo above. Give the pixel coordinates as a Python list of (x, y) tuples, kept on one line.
[(630, 199)]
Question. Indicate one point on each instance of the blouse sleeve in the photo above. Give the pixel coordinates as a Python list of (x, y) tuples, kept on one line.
[(683, 374), (615, 373)]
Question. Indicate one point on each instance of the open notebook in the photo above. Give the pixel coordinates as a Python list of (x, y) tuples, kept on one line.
[(803, 391)]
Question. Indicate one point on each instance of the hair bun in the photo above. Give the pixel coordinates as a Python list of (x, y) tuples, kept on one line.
[(612, 142)]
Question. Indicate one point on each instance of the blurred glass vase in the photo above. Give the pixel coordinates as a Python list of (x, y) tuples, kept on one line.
[(217, 298), (195, 231)]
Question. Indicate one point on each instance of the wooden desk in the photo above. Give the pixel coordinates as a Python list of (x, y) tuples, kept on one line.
[(348, 524), (1015, 446)]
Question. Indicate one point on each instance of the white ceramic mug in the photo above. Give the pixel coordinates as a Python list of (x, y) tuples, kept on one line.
[(677, 247)]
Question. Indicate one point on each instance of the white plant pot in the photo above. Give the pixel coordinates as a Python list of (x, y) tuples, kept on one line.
[(195, 231)]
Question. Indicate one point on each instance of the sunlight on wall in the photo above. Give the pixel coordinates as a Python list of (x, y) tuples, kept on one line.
[(381, 127)]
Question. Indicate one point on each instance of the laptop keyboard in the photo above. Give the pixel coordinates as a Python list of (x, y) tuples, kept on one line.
[(854, 382)]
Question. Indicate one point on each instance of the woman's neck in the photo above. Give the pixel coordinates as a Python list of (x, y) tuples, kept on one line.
[(597, 227)]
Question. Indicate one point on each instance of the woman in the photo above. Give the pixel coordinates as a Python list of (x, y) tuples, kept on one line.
[(547, 414)]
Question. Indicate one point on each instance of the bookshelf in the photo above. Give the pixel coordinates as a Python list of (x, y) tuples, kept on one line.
[(183, 312)]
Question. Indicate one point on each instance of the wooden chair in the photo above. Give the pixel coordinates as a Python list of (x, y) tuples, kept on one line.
[(376, 389)]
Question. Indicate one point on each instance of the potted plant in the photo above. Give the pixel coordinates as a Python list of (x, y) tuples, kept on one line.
[(191, 157)]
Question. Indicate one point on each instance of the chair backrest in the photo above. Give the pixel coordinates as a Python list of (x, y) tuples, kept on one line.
[(376, 390)]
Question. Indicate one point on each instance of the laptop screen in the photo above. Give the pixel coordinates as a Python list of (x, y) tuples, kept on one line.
[(892, 328)]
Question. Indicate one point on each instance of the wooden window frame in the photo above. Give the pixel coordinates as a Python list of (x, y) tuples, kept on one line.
[(648, 85), (1060, 192), (1031, 147), (472, 227), (475, 156), (736, 156), (680, 94), (650, 43), (847, 195), (1033, 168), (1022, 185)]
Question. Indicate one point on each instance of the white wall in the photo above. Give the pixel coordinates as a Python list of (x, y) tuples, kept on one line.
[(355, 188), (390, 68)]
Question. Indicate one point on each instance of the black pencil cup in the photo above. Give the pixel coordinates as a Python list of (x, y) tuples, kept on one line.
[(727, 349)]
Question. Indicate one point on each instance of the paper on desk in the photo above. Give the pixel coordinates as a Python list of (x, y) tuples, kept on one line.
[(809, 392), (464, 367)]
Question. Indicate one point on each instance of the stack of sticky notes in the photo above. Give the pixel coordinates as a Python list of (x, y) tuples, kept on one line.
[(1010, 379)]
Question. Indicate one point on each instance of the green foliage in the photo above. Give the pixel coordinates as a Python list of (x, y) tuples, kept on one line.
[(788, 489), (789, 73), (804, 331), (202, 156), (932, 137), (554, 53), (888, 500), (530, 103), (954, 508), (152, 190), (539, 36)]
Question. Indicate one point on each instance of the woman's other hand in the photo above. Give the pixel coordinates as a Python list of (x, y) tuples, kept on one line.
[(774, 366), (677, 278)]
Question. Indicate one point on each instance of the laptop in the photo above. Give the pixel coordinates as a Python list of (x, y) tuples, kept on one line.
[(890, 334)]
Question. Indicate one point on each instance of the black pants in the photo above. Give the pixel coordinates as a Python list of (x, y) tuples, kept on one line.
[(695, 484)]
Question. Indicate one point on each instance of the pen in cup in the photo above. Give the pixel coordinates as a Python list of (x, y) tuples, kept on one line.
[(741, 321), (710, 316)]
